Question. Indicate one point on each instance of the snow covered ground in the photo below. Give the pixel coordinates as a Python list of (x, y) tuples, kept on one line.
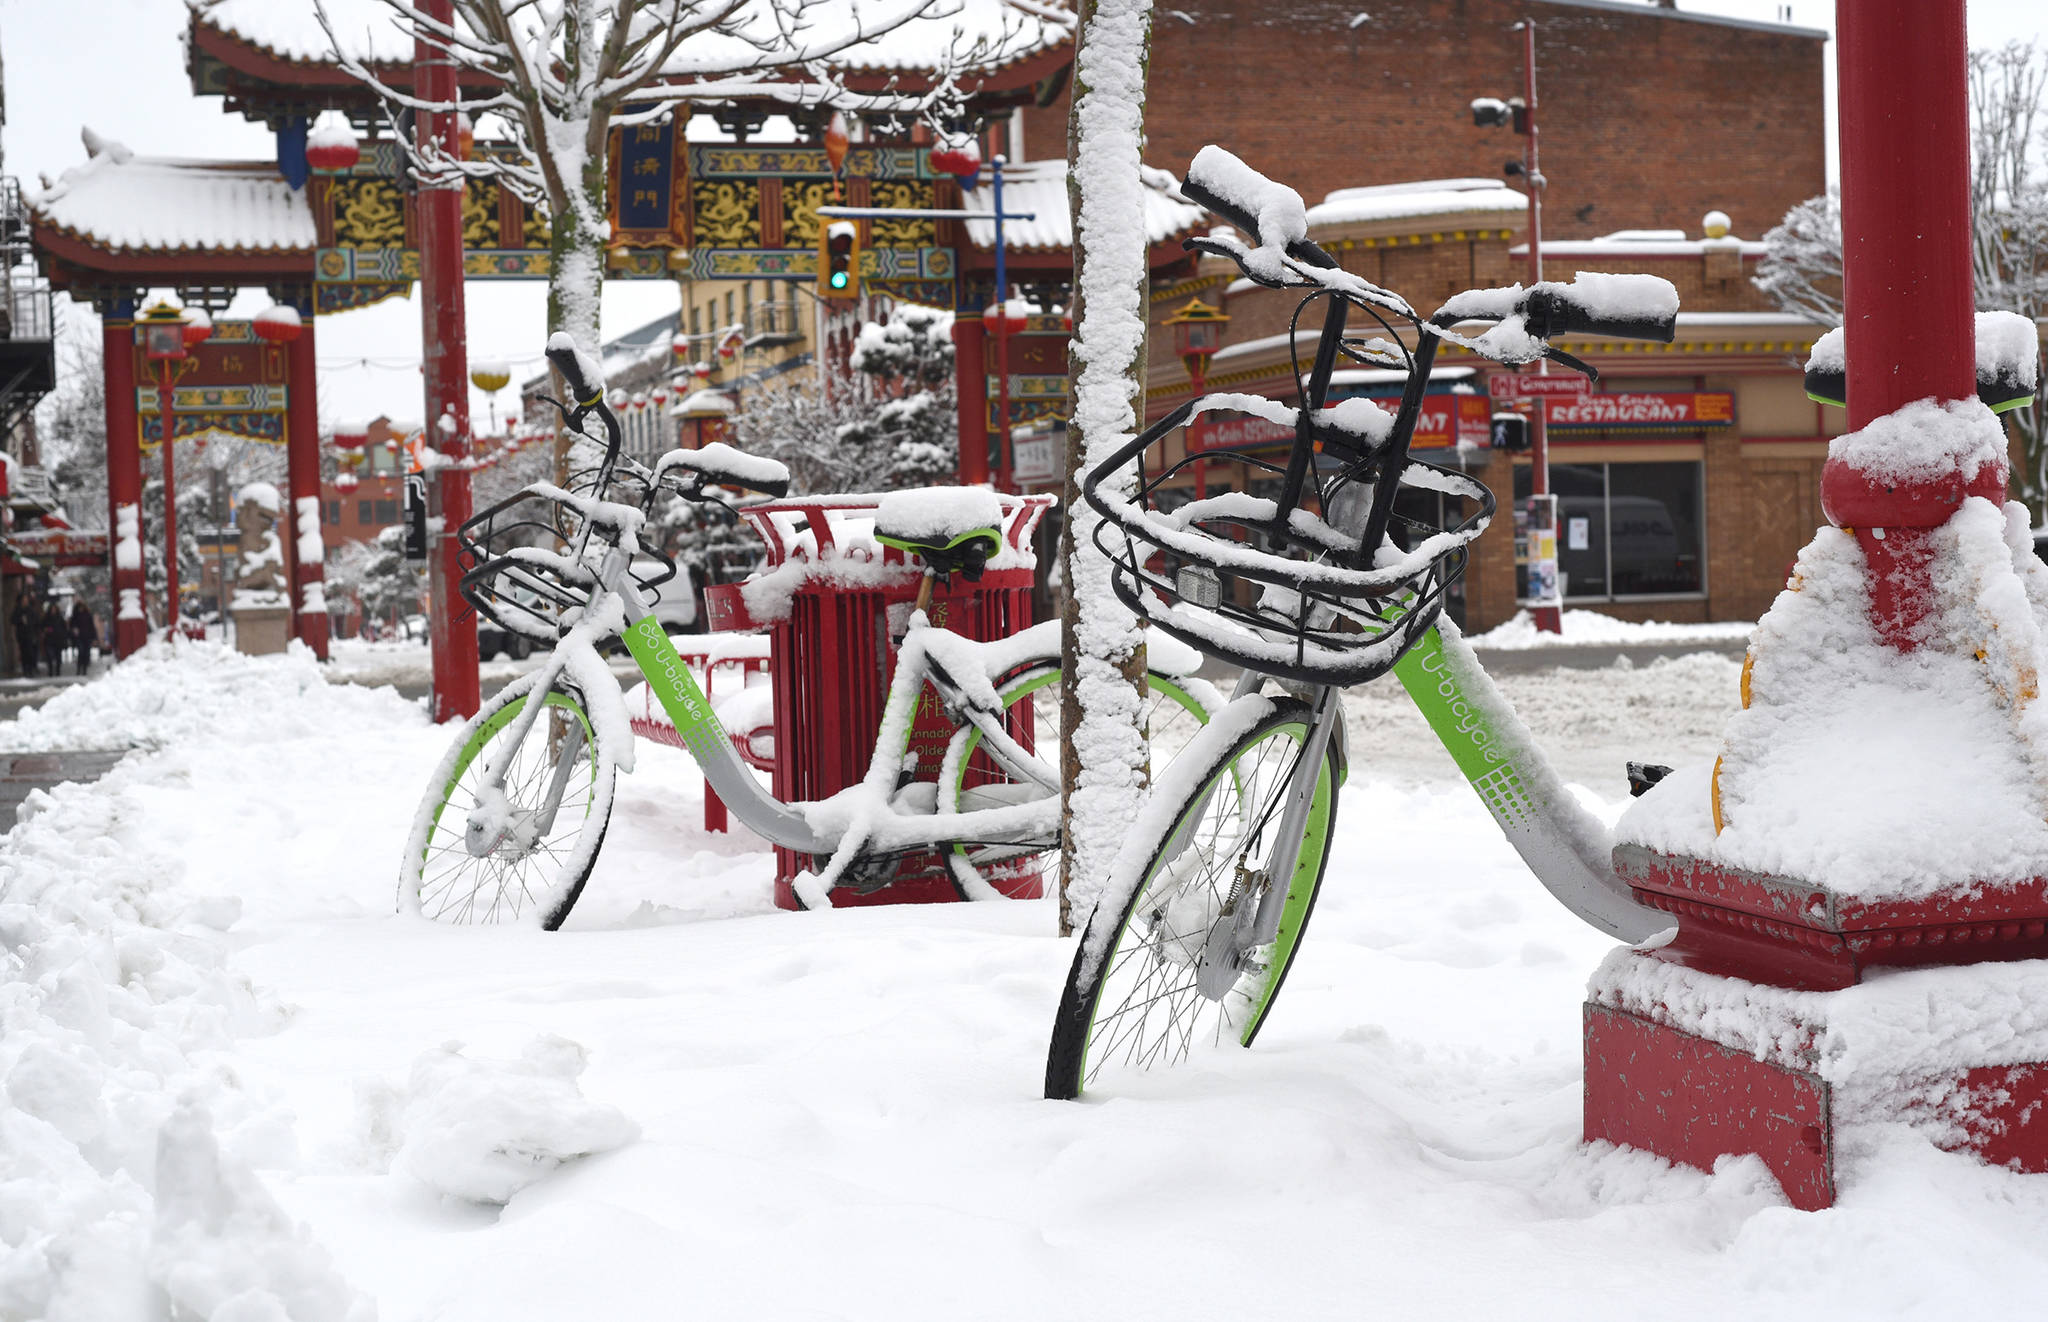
[(1582, 627), (836, 1115)]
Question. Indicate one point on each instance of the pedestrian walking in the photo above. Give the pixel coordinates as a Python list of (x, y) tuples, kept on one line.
[(28, 624), (85, 634), (56, 632)]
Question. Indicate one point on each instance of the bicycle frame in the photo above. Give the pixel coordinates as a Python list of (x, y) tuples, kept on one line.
[(794, 825)]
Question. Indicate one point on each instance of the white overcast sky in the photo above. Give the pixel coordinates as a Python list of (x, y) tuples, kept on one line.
[(118, 66)]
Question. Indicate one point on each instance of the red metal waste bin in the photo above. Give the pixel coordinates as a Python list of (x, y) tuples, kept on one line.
[(826, 596)]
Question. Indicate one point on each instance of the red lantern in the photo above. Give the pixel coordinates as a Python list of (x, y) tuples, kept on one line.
[(391, 445), (1007, 317), (279, 324), (679, 344), (465, 136), (836, 142), (351, 435), (332, 144), (702, 371), (198, 326), (345, 481), (660, 396)]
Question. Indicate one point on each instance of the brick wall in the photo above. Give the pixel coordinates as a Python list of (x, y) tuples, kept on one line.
[(1650, 118)]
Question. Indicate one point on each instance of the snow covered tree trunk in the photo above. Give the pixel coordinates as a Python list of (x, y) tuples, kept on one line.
[(1102, 647), (576, 251)]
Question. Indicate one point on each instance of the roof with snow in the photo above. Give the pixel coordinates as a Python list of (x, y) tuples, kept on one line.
[(1646, 243), (1422, 197), (1040, 188), (119, 200), (975, 35)]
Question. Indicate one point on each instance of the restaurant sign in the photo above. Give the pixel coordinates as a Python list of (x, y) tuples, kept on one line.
[(1642, 410), (1446, 420)]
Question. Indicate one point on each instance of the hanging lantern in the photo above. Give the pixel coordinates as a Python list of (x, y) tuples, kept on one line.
[(639, 400), (391, 445), (198, 326), (659, 395), (961, 159), (332, 143), (679, 345), (701, 370), (837, 140), (1007, 317), (345, 481), (491, 375), (617, 399), (278, 324), (351, 435), (465, 136)]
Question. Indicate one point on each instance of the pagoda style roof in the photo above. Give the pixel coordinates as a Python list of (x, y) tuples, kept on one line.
[(1040, 187), (120, 201), (272, 56)]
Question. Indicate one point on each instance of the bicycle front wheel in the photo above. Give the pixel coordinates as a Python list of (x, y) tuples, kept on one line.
[(480, 855), (1175, 709), (1208, 847)]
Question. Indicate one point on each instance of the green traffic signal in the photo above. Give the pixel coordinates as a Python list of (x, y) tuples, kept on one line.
[(839, 279)]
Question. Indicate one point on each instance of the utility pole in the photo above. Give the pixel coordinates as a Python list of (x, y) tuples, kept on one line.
[(1549, 615)]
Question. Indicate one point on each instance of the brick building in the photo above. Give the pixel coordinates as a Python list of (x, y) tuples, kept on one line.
[(1650, 116), (1687, 481)]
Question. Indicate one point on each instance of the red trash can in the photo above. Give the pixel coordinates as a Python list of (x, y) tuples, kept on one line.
[(827, 596)]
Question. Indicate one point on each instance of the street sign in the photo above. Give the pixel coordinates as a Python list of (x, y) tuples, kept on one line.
[(415, 517), (1517, 385)]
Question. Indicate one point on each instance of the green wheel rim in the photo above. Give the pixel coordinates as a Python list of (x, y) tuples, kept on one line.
[(1302, 888), (482, 736)]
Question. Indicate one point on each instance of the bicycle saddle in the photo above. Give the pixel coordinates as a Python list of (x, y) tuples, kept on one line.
[(954, 530)]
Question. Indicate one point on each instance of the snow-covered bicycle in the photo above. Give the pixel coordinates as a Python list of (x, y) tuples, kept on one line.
[(1316, 582), (514, 815)]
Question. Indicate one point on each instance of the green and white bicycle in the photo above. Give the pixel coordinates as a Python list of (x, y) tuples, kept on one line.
[(1314, 578), (514, 815)]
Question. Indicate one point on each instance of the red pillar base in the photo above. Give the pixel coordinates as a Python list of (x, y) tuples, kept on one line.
[(1694, 1066)]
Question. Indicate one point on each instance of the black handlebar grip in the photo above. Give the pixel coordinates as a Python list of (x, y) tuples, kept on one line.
[(1301, 250), (562, 353), (1549, 312)]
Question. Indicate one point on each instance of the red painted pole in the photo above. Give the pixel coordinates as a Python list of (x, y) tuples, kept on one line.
[(451, 629), (970, 377), (1549, 619), (302, 460), (1902, 66), (166, 377), (124, 466)]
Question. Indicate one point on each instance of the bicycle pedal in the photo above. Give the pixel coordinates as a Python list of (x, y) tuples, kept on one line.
[(1642, 775)]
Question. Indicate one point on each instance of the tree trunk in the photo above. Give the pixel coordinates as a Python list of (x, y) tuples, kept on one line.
[(577, 237), (1103, 765)]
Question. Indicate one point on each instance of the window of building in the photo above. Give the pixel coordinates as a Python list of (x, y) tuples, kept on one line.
[(696, 327), (334, 511), (1626, 530), (747, 306), (728, 307), (387, 511), (362, 511)]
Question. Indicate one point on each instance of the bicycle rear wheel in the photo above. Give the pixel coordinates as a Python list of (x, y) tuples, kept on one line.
[(1175, 710), (1202, 851), (544, 831)]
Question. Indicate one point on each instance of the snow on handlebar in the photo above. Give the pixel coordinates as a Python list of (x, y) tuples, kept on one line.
[(721, 464)]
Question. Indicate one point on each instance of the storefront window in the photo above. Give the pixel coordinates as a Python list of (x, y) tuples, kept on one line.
[(1626, 530)]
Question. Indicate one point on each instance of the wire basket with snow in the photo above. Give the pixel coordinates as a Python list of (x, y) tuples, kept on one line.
[(521, 570)]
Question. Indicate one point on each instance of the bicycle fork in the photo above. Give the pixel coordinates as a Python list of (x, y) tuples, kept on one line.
[(1244, 926)]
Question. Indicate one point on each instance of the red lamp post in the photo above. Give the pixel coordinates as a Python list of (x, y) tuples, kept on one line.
[(167, 336), (1197, 335), (1003, 321)]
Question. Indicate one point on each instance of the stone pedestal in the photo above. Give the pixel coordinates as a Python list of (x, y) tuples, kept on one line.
[(262, 630)]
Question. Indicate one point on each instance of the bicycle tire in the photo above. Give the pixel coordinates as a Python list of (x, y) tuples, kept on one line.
[(1135, 1002), (501, 885), (982, 871)]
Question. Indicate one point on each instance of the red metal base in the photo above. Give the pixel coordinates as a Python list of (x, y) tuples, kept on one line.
[(1790, 933), (1692, 1100)]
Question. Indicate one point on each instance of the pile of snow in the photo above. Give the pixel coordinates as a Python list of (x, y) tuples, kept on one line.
[(482, 1130), (1924, 442), (169, 692), (127, 1147), (1583, 627), (1879, 773)]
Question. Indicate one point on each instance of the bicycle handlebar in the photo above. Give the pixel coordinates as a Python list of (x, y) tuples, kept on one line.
[(1301, 250), (1550, 310), (588, 396)]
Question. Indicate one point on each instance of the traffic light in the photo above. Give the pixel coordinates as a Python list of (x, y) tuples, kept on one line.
[(1510, 433), (839, 260)]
